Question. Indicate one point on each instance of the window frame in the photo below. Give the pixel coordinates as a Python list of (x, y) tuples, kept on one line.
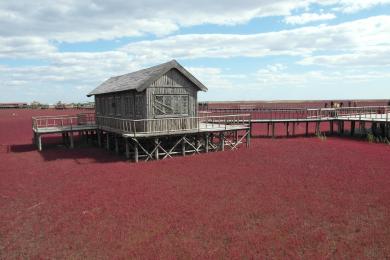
[(187, 96)]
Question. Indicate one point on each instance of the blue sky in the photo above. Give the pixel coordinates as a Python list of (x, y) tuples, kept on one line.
[(241, 50)]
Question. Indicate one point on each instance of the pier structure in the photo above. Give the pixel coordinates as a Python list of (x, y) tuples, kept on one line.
[(378, 117), (129, 137)]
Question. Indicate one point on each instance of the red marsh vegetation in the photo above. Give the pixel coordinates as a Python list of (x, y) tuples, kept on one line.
[(283, 198)]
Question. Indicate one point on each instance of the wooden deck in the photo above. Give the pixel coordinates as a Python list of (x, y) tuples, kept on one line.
[(127, 128)]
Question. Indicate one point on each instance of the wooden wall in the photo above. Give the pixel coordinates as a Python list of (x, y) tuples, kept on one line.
[(126, 104), (142, 105)]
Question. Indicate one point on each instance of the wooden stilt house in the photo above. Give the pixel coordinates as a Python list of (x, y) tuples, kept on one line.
[(164, 91)]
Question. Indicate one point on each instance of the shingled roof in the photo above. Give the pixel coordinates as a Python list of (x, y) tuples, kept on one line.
[(140, 80)]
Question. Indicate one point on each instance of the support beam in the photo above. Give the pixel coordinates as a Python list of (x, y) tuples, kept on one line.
[(352, 128), (116, 144), (39, 142), (222, 141), (71, 140), (183, 147), (156, 153), (127, 150), (307, 128), (108, 141), (318, 128), (287, 129), (248, 140), (135, 151), (273, 130), (206, 142), (99, 137)]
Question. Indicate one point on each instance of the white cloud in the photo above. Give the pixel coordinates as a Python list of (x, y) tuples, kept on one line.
[(365, 34), (377, 56), (353, 6), (24, 47), (214, 77), (88, 20), (308, 17)]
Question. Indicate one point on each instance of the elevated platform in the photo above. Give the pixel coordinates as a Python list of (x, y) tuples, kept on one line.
[(196, 132)]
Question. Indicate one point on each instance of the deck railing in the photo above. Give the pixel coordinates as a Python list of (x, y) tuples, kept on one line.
[(171, 125), (63, 121)]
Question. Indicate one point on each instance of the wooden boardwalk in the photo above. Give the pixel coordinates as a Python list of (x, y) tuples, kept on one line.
[(212, 131), (334, 116)]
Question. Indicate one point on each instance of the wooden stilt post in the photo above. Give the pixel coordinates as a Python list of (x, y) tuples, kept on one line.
[(63, 138), (352, 128), (39, 142), (127, 150), (363, 128), (250, 128), (287, 130), (116, 144), (183, 147), (71, 140), (318, 128), (206, 142), (99, 137), (156, 152), (383, 129), (248, 140), (307, 128), (135, 151), (108, 141), (273, 130), (222, 141)]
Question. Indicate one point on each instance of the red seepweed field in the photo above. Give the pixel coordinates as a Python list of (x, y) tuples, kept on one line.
[(284, 198)]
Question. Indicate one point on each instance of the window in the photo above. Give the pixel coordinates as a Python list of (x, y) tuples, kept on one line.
[(170, 105)]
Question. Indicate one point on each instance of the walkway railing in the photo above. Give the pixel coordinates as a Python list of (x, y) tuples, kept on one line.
[(172, 125), (370, 112), (63, 121)]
